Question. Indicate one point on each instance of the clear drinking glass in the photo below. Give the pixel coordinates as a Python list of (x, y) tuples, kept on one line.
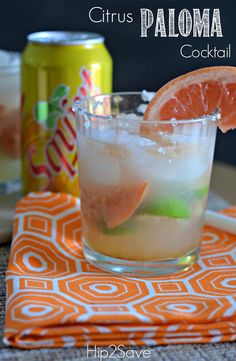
[(143, 185), (10, 184)]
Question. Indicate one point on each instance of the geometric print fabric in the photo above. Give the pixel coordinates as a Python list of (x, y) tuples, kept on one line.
[(57, 299)]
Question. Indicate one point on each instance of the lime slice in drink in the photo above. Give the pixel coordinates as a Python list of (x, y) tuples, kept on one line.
[(124, 228), (201, 192), (167, 207), (197, 193)]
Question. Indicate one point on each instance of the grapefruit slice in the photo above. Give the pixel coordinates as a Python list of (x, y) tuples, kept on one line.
[(195, 94), (122, 204)]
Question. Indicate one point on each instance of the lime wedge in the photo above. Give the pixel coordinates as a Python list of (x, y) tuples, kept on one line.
[(125, 228), (201, 192), (197, 193), (167, 207)]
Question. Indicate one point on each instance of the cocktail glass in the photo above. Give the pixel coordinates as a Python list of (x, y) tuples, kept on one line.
[(143, 184), (10, 184)]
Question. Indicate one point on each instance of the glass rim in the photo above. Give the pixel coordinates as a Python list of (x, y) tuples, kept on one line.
[(13, 66), (78, 108)]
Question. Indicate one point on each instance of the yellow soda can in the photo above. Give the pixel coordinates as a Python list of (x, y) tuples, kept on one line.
[(57, 68)]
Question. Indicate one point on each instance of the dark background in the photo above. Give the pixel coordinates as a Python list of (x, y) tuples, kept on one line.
[(139, 63)]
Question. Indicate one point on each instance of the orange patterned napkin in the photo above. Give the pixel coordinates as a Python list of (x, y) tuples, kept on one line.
[(55, 298)]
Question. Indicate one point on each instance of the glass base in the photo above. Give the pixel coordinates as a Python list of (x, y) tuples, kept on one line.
[(140, 269)]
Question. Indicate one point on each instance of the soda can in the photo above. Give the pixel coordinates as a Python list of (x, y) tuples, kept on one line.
[(57, 68)]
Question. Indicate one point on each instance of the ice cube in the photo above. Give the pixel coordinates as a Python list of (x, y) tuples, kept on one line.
[(97, 166), (4, 58), (103, 170), (104, 136), (109, 136), (9, 58), (156, 163), (147, 96), (141, 108)]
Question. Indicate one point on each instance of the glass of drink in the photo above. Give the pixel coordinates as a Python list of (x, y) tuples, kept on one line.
[(144, 185), (10, 185)]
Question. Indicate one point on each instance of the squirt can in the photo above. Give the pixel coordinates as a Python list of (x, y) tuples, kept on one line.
[(57, 68)]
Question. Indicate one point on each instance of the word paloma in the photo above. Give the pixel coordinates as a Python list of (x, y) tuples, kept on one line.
[(185, 23)]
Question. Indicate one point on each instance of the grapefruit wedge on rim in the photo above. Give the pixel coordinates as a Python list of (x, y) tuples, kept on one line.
[(122, 204), (196, 94)]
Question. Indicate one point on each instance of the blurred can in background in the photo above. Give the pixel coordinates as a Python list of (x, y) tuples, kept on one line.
[(57, 68)]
